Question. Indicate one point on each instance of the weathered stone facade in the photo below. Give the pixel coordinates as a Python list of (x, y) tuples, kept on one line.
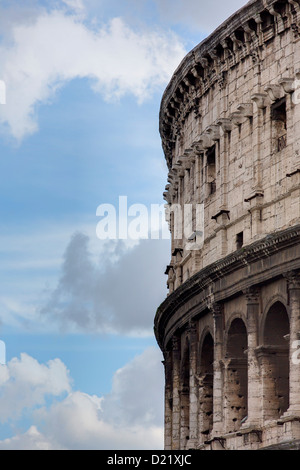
[(230, 326)]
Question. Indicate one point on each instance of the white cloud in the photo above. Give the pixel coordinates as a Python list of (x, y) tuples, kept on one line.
[(24, 383), (82, 421), (139, 382), (31, 270), (77, 423), (109, 296), (57, 47), (81, 288), (30, 440)]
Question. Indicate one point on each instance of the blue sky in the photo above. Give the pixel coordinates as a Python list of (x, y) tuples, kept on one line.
[(84, 80)]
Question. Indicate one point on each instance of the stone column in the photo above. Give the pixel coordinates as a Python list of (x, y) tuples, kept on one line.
[(181, 191), (255, 197), (176, 394), (224, 152), (193, 441), (205, 180), (168, 399), (197, 196), (218, 371), (184, 417), (185, 393), (202, 164), (258, 138), (254, 387), (293, 280), (187, 185), (270, 358), (192, 161)]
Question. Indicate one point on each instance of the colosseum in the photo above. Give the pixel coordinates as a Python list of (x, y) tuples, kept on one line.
[(229, 328)]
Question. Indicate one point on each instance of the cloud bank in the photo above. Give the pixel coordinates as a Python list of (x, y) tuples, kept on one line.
[(119, 294), (24, 384), (129, 417), (45, 53)]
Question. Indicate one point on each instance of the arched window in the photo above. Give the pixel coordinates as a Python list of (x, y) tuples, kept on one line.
[(205, 378), (236, 390), (275, 362)]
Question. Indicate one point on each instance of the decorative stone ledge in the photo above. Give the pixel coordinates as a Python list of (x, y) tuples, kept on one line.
[(254, 438), (202, 281), (213, 58)]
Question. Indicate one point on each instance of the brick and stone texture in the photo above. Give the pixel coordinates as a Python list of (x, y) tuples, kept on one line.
[(229, 328)]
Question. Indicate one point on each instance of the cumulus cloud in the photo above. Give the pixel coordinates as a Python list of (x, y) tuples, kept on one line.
[(80, 427), (82, 421), (55, 47), (126, 403), (30, 440), (24, 383), (119, 294)]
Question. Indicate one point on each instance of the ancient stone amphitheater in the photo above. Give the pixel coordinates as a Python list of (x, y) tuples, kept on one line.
[(230, 327)]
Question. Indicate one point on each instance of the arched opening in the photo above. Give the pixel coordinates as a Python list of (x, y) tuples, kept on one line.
[(185, 396), (275, 362), (236, 396), (205, 378)]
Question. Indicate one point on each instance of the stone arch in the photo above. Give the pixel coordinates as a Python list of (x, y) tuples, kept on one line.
[(271, 301), (236, 315), (205, 371), (205, 332), (274, 361), (276, 324), (236, 381)]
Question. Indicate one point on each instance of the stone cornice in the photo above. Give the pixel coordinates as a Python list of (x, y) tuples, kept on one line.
[(203, 66), (202, 281)]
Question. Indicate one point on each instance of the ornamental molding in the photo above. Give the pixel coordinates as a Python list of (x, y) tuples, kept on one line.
[(210, 62), (203, 283)]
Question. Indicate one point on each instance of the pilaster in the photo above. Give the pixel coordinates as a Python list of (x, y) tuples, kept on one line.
[(217, 313), (193, 418), (252, 295), (176, 394), (293, 285), (168, 399)]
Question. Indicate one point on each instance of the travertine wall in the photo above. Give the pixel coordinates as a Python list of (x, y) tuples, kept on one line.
[(230, 326), (224, 95)]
